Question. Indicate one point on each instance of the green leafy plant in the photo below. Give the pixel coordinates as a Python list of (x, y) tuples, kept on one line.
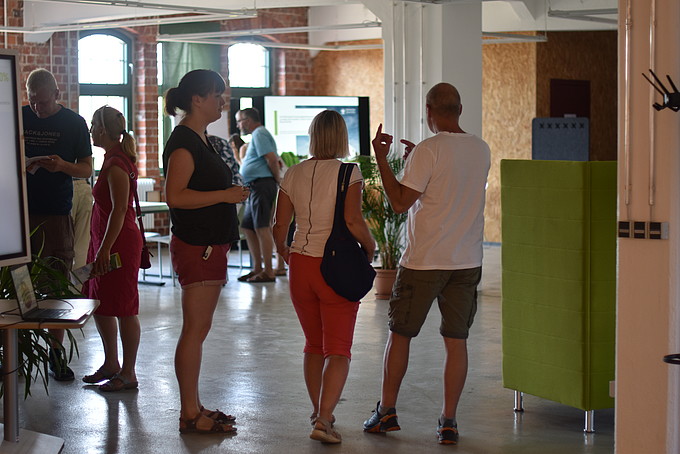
[(386, 226), (34, 343)]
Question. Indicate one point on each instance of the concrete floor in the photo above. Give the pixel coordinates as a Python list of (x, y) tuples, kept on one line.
[(252, 368)]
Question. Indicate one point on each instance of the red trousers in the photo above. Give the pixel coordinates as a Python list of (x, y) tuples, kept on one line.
[(327, 318)]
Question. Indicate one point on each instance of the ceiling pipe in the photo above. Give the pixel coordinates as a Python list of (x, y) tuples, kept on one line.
[(236, 13), (115, 23), (222, 37), (586, 15), (272, 31), (227, 42), (500, 38)]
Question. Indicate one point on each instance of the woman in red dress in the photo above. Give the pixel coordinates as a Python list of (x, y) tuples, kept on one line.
[(114, 229)]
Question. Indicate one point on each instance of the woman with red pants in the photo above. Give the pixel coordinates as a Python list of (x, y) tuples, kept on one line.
[(202, 201), (308, 192)]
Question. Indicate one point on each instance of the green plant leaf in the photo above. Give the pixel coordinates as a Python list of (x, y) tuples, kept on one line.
[(386, 226)]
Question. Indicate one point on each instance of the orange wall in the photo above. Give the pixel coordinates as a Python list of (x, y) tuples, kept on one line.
[(353, 73), (516, 89), (508, 106)]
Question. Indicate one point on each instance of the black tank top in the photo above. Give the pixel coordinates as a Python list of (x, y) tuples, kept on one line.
[(214, 224)]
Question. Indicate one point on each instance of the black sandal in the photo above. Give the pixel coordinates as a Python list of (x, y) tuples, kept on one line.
[(99, 376), (188, 426), (218, 416), (245, 277)]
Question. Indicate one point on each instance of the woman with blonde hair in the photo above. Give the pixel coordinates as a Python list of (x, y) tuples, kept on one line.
[(308, 192), (114, 229)]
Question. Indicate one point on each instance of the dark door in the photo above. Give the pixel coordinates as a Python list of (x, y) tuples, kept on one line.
[(569, 97)]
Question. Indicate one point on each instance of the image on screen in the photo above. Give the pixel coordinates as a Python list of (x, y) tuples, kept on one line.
[(288, 119)]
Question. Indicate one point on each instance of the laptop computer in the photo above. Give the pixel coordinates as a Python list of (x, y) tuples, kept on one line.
[(28, 305)]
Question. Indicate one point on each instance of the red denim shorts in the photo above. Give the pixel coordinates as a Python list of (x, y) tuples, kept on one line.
[(192, 266)]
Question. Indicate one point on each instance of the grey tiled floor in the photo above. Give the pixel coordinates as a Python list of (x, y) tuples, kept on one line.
[(252, 367)]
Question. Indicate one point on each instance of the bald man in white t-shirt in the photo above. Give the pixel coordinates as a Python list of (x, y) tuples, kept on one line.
[(443, 190)]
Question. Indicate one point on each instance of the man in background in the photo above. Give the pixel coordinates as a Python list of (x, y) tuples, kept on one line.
[(59, 139), (223, 148), (261, 172)]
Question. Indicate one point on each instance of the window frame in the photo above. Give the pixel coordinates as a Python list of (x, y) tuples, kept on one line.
[(121, 90), (250, 92), (257, 94)]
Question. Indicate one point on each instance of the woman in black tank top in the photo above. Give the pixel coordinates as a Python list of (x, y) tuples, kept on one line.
[(202, 198)]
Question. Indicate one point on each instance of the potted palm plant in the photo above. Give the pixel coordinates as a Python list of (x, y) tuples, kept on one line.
[(33, 343), (386, 226)]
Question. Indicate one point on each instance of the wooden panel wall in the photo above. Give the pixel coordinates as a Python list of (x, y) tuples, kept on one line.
[(508, 106), (353, 73), (515, 90), (583, 56)]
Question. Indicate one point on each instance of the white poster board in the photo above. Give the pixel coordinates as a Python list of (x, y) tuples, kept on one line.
[(14, 229)]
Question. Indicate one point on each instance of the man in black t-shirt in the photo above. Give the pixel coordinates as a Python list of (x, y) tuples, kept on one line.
[(57, 147)]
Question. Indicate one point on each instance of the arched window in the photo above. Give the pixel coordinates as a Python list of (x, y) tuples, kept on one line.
[(249, 66), (250, 77), (104, 75)]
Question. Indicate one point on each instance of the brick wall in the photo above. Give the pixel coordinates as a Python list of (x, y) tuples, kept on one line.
[(293, 66), (146, 100), (60, 55)]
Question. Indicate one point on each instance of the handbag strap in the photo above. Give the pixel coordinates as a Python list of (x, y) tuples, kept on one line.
[(344, 175), (138, 209)]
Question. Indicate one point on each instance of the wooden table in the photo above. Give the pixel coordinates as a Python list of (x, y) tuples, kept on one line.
[(9, 324)]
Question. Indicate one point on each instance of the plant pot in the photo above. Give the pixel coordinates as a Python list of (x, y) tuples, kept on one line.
[(384, 280)]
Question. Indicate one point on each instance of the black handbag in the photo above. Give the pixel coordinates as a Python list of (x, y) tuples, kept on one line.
[(345, 266)]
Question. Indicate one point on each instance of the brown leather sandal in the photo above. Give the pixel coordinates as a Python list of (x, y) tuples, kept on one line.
[(324, 432), (218, 416), (118, 383), (314, 416), (188, 426)]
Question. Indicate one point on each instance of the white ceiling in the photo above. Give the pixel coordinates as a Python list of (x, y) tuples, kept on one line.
[(498, 15)]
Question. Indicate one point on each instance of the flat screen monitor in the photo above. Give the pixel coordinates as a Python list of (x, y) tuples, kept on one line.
[(14, 228), (288, 119)]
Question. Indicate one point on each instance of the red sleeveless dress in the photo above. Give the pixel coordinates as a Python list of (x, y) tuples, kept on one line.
[(116, 290)]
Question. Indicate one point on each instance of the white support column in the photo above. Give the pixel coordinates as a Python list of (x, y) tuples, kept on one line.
[(454, 54), (648, 301), (426, 44)]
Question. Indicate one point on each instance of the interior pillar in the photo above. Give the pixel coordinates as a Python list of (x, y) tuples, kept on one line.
[(425, 44), (648, 301)]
